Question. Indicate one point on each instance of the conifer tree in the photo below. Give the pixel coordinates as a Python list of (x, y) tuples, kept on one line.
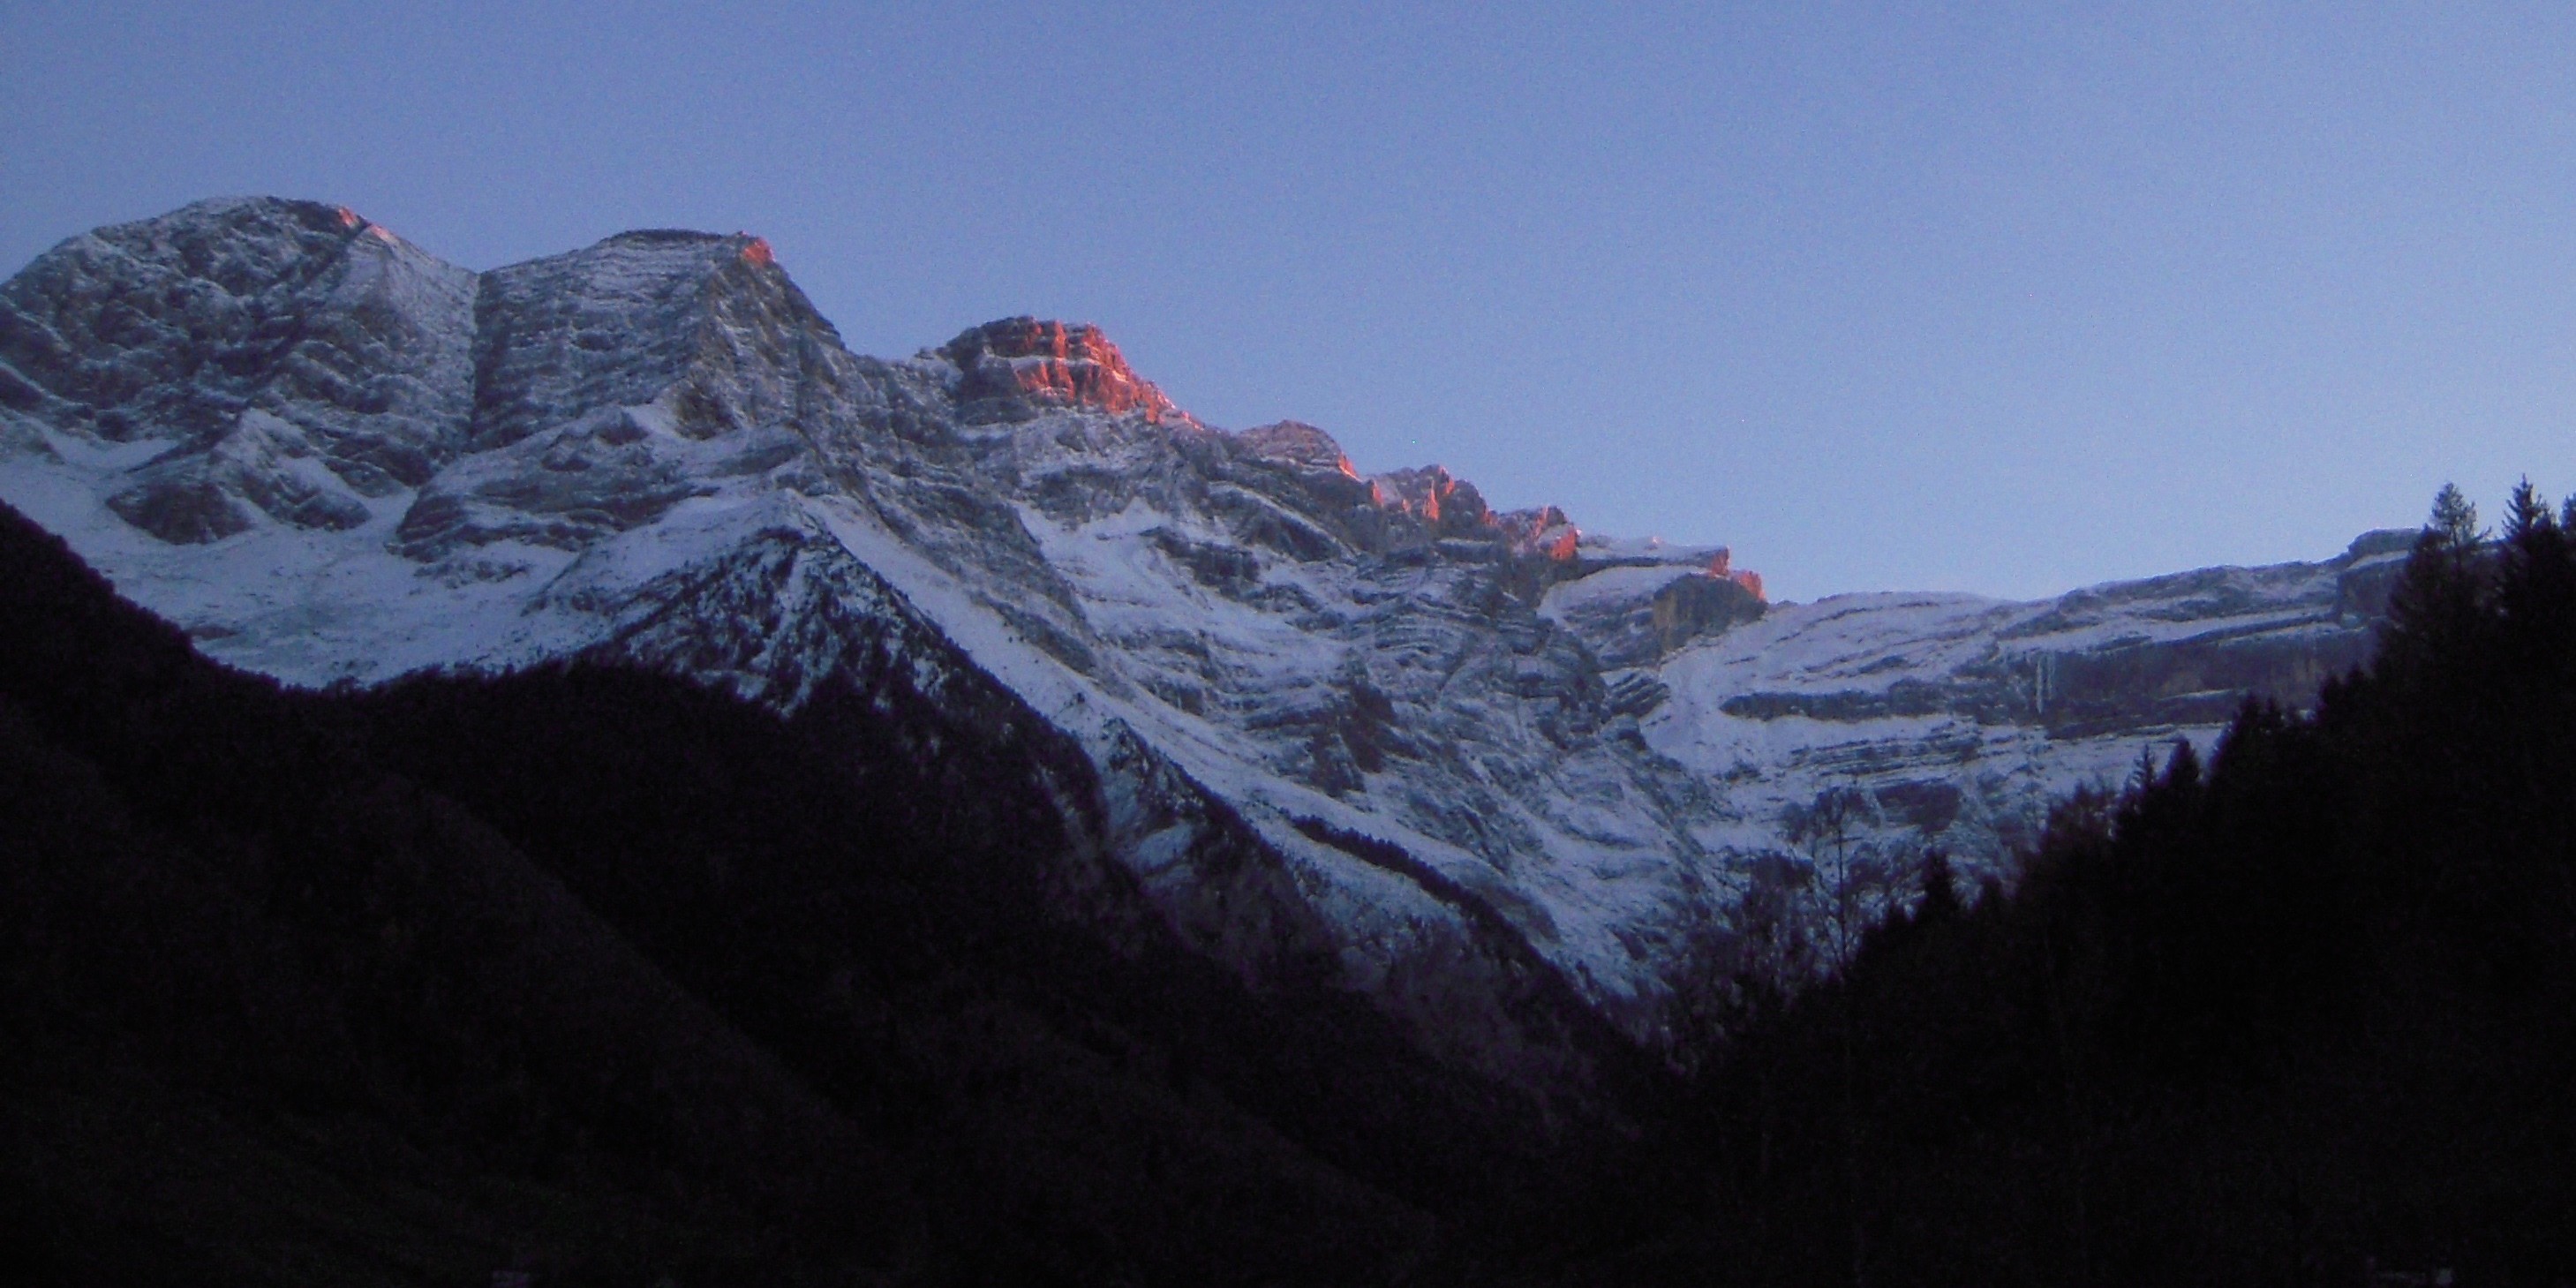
[(2455, 521), (2434, 607)]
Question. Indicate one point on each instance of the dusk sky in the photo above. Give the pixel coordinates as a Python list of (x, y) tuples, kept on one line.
[(1998, 299)]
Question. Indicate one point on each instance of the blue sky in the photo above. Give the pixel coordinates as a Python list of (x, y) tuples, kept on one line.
[(1997, 298)]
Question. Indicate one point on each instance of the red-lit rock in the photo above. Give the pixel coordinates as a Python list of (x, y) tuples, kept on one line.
[(1443, 502), (1050, 362)]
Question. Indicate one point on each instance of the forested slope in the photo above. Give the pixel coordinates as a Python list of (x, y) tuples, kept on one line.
[(2304, 1010)]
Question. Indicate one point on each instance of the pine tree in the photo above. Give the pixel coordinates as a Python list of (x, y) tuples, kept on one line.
[(2435, 605), (2455, 521), (2535, 583)]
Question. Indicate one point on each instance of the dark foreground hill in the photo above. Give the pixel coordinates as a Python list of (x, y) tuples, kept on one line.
[(624, 979)]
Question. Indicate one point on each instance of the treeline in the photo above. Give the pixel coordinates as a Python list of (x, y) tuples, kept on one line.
[(2302, 1016), (611, 978)]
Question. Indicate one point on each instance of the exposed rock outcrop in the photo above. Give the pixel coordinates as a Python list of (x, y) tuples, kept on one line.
[(1011, 368)]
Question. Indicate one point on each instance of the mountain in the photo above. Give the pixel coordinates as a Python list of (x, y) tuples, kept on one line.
[(1506, 776)]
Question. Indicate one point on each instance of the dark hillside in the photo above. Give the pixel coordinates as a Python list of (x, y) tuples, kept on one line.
[(278, 1016), (622, 978)]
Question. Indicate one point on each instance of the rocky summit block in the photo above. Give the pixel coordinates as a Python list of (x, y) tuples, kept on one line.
[(1506, 776), (1012, 368)]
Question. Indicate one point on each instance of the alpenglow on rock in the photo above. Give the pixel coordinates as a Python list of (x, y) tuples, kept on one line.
[(1461, 751)]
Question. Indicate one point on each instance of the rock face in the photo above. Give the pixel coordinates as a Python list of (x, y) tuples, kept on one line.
[(283, 360), (1012, 369), (1504, 772)]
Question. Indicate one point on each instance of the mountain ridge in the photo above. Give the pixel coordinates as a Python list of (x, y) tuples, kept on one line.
[(330, 459)]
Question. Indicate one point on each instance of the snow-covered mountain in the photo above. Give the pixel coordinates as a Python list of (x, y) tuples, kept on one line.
[(1465, 753)]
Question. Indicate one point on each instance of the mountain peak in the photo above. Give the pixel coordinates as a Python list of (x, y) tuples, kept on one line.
[(255, 209), (1036, 360)]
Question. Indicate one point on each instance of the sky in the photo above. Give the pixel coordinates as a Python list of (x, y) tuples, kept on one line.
[(1990, 298)]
